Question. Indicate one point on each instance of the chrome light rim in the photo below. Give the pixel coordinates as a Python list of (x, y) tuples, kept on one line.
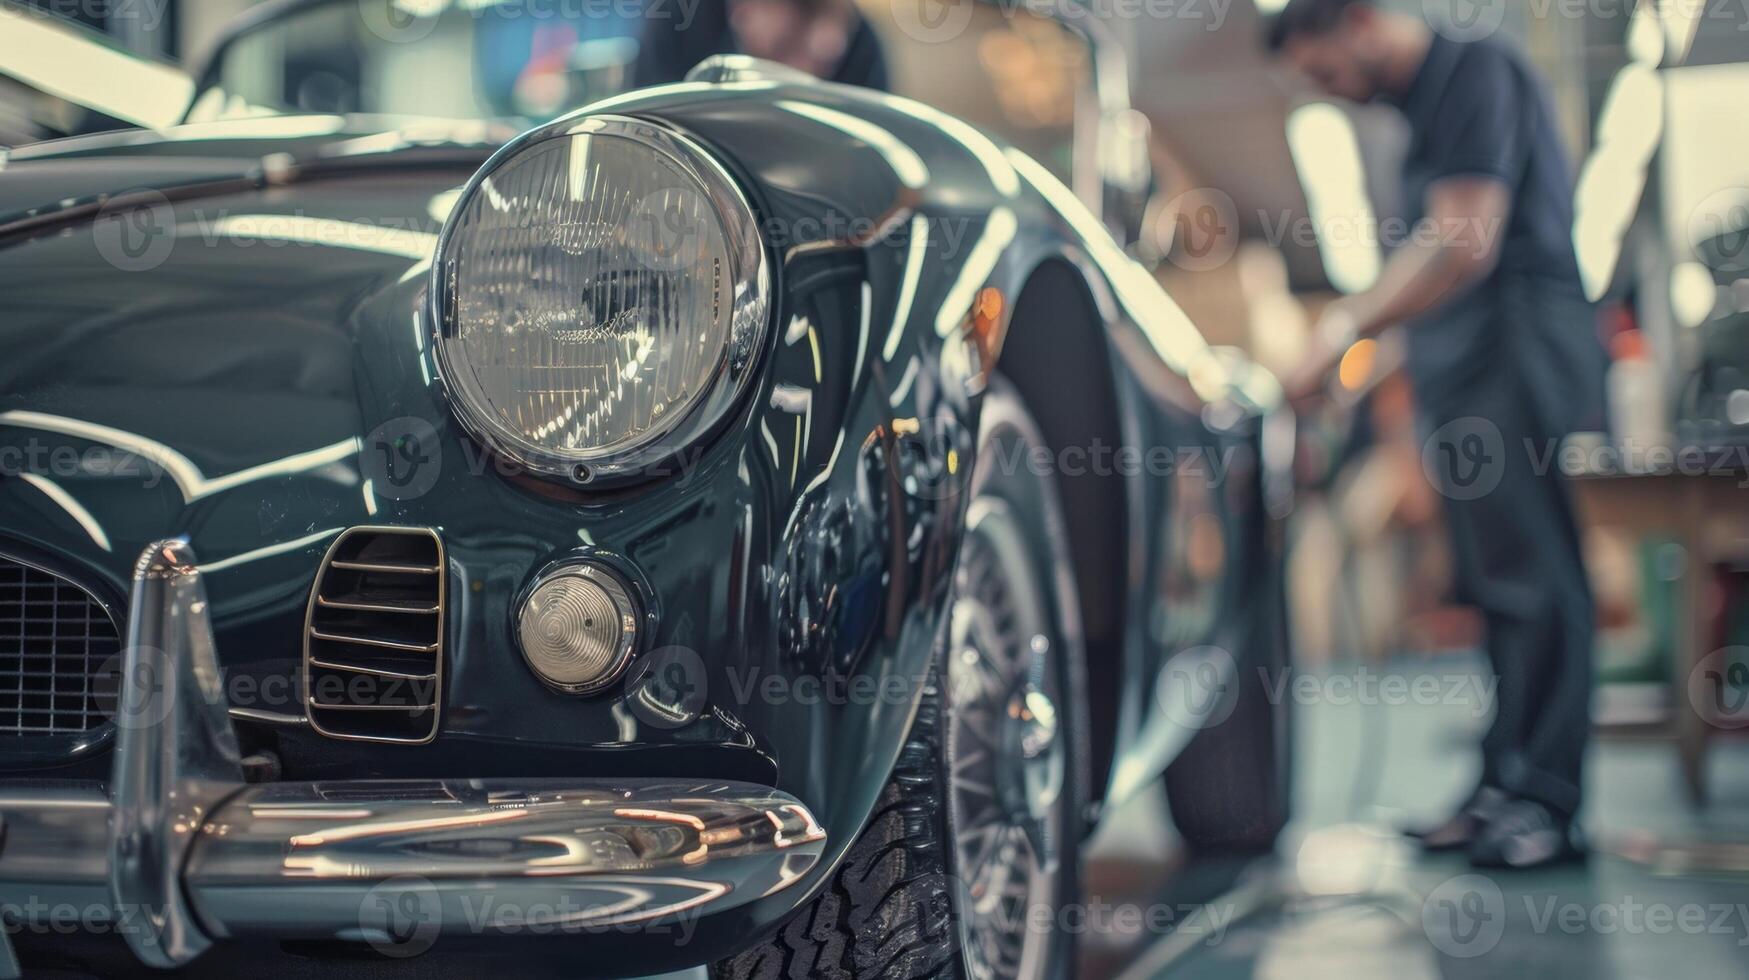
[(749, 316), (619, 594)]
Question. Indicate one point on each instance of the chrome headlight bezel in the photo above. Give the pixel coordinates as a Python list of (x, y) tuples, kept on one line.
[(749, 291)]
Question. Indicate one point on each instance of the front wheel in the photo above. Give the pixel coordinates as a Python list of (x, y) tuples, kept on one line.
[(974, 845)]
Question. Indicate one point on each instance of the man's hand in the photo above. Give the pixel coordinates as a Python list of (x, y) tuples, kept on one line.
[(1310, 382)]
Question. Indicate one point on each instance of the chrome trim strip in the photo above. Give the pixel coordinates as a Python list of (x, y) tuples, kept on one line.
[(327, 603), (176, 756), (266, 717), (373, 671), (387, 568), (366, 641), (724, 69)]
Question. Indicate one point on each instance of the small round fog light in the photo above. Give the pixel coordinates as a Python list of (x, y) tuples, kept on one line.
[(577, 628)]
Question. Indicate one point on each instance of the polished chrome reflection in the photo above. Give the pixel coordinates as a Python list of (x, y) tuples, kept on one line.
[(176, 755), (727, 68), (301, 859)]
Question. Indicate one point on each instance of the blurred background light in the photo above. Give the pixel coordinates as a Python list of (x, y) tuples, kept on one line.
[(1692, 293), (1322, 142), (47, 55)]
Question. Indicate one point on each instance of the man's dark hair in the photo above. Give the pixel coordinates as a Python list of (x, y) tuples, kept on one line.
[(1307, 18)]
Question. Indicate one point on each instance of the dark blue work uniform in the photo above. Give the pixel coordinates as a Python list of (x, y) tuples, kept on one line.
[(1501, 373)]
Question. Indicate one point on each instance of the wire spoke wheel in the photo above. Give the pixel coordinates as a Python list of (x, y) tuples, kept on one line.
[(1006, 752)]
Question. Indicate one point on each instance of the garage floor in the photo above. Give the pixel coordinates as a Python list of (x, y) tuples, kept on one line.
[(1666, 892)]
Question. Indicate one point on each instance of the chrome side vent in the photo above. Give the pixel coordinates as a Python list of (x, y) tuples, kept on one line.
[(373, 642)]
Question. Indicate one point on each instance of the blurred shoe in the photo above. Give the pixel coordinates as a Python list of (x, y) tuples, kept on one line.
[(1463, 826), (1526, 834)]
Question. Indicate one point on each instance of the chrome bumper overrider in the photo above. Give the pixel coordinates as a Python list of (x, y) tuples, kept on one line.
[(181, 852)]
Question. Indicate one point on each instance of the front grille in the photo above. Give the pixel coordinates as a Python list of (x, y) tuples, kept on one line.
[(55, 637), (373, 647)]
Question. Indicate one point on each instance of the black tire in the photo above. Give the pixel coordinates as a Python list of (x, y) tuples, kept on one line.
[(1230, 790), (896, 907)]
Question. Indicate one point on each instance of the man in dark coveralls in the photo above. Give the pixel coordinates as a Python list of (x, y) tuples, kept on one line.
[(1504, 358)]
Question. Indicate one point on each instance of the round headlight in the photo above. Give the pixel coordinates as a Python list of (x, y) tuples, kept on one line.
[(601, 292)]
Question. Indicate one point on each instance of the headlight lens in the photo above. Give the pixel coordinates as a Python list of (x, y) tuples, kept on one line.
[(601, 292)]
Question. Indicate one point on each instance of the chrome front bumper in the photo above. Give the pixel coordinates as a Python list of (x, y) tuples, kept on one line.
[(181, 852)]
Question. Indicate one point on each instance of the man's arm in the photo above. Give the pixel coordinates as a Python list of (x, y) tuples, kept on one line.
[(1453, 247)]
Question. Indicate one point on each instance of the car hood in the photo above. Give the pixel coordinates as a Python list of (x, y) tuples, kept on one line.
[(205, 342), (82, 172)]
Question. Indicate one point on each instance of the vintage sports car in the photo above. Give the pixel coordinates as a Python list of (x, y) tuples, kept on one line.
[(747, 521)]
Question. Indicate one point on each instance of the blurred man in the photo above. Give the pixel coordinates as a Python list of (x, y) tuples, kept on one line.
[(828, 39), (1505, 361)]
